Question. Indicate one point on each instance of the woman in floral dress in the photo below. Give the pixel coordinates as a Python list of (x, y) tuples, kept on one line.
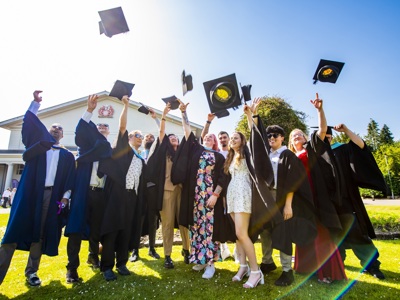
[(200, 169)]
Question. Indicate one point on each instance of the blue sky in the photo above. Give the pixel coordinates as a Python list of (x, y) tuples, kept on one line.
[(273, 45)]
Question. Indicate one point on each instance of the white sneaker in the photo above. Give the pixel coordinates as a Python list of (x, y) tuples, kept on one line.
[(225, 253), (209, 272), (199, 267)]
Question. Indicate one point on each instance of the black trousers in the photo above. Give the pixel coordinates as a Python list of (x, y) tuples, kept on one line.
[(94, 217), (5, 200), (116, 243), (151, 221)]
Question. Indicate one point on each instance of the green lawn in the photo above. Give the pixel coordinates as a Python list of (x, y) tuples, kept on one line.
[(150, 280)]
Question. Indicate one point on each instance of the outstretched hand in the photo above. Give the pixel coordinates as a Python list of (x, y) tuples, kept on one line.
[(340, 128), (255, 104), (183, 106), (210, 117), (317, 102), (167, 109), (125, 100), (36, 96), (92, 103)]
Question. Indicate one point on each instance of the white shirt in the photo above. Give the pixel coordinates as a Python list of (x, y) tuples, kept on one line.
[(6, 194), (134, 172), (224, 153), (274, 157), (52, 157)]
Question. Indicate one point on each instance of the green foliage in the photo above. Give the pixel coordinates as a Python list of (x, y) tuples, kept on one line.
[(368, 193), (386, 136), (387, 157), (340, 138), (276, 111), (385, 218), (372, 137)]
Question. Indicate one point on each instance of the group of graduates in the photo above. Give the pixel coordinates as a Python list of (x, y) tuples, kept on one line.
[(306, 194)]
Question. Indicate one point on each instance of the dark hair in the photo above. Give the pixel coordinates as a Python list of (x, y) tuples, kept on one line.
[(275, 129), (223, 132)]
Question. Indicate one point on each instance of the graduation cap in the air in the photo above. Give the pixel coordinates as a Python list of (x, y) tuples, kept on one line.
[(328, 130), (173, 100), (328, 71), (221, 114), (112, 22), (222, 93), (187, 83), (143, 109), (121, 88), (246, 92)]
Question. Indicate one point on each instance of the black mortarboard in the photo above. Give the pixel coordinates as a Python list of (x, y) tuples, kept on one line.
[(187, 83), (222, 93), (222, 113), (121, 89), (143, 109), (246, 92), (328, 130), (173, 100), (112, 22), (328, 71)]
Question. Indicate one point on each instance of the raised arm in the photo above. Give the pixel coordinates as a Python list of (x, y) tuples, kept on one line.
[(185, 120), (322, 125), (210, 118), (252, 112), (353, 137), (154, 117), (123, 119), (162, 124)]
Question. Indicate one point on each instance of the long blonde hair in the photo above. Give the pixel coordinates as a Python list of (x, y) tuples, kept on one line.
[(290, 144), (231, 153)]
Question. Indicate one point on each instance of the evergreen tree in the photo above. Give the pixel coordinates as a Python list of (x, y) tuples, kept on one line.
[(385, 136), (372, 137)]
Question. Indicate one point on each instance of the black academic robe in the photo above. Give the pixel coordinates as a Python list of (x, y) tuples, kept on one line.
[(24, 223), (184, 170), (92, 146), (292, 178), (156, 166), (116, 168), (357, 168), (325, 179)]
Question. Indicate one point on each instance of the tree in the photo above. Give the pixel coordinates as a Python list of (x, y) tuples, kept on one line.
[(372, 137), (341, 138), (275, 111), (385, 136)]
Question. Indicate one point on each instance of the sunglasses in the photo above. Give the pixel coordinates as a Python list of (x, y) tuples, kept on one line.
[(57, 127), (137, 135), (274, 135), (102, 124)]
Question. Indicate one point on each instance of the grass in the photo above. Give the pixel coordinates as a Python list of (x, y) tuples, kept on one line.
[(385, 218), (150, 280)]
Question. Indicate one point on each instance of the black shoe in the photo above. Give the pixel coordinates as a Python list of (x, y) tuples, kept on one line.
[(168, 263), (72, 276), (33, 279), (153, 253), (109, 275), (374, 271), (93, 262), (285, 279), (123, 270), (134, 256), (185, 254), (267, 268)]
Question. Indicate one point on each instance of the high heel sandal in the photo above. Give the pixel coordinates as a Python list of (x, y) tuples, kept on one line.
[(249, 285), (246, 273)]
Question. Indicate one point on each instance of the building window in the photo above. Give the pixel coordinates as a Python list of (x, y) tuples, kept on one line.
[(20, 169)]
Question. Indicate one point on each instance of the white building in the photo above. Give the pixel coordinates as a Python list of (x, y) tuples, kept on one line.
[(68, 115)]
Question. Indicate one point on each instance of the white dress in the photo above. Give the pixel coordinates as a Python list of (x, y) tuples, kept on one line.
[(238, 195)]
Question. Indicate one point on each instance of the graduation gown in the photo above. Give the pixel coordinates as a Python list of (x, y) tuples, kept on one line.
[(26, 213), (116, 168), (184, 170), (325, 179), (292, 177), (92, 146), (357, 168)]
